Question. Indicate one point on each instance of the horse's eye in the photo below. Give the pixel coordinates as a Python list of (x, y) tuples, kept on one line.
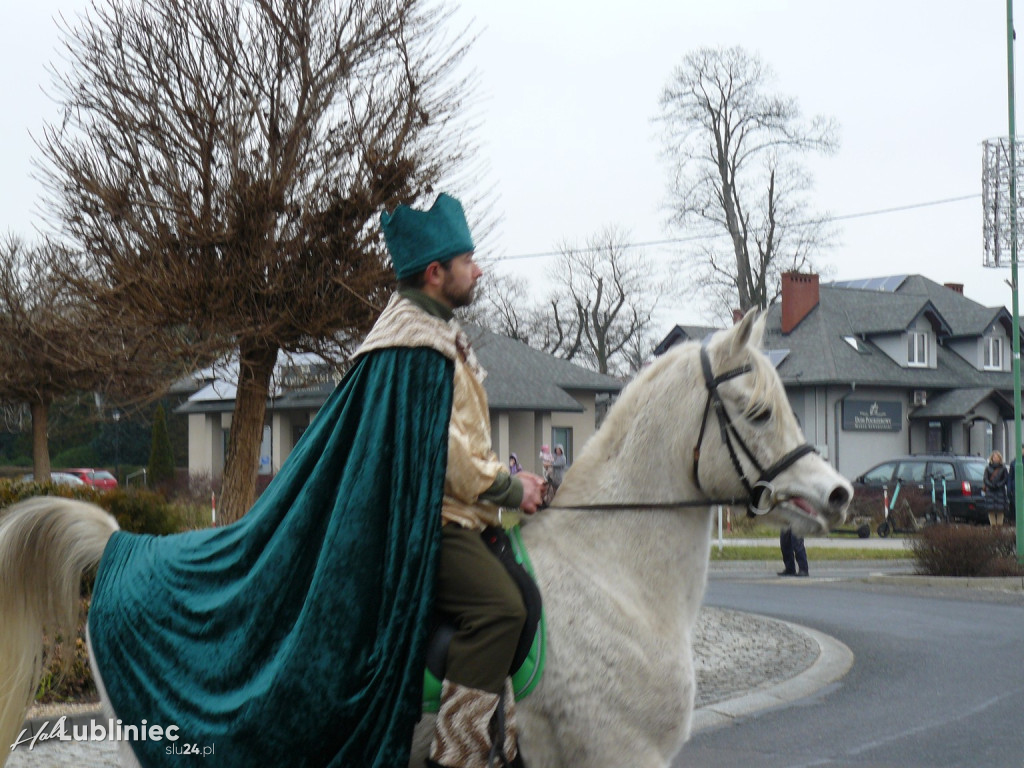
[(761, 417)]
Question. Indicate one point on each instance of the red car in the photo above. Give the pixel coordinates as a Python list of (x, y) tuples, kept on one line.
[(97, 478)]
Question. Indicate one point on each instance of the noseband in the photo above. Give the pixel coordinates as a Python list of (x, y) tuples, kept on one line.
[(761, 494)]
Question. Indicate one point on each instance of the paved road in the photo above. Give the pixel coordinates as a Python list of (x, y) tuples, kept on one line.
[(938, 676)]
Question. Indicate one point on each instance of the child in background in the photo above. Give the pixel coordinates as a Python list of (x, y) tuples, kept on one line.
[(546, 460)]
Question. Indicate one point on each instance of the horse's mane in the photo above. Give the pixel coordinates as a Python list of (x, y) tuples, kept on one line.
[(763, 387)]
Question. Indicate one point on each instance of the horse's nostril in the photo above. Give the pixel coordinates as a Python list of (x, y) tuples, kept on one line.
[(839, 497)]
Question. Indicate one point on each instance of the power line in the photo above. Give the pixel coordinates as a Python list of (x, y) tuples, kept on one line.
[(898, 208), (693, 238)]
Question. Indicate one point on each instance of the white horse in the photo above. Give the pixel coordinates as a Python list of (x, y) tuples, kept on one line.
[(621, 557)]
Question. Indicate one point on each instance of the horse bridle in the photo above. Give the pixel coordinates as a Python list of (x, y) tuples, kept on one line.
[(760, 495)]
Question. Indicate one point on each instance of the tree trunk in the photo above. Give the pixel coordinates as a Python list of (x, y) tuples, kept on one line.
[(40, 447), (256, 364)]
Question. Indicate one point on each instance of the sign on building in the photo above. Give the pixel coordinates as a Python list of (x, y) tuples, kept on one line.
[(872, 415)]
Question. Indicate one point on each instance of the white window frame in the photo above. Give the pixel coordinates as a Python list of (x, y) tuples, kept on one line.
[(992, 356), (917, 349)]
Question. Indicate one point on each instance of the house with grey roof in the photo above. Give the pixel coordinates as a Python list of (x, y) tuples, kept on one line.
[(683, 333), (534, 399), (889, 366)]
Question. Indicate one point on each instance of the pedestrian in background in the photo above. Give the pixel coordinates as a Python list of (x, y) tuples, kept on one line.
[(794, 556), (996, 478), (557, 466)]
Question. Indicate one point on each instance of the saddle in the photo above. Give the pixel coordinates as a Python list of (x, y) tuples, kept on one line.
[(528, 661)]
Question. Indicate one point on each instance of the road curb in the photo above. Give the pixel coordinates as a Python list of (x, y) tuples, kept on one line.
[(1005, 584), (33, 724), (834, 660)]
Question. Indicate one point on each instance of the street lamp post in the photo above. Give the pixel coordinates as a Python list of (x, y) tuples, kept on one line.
[(1019, 464)]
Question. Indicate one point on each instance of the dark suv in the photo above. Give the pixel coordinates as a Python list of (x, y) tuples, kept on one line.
[(964, 478)]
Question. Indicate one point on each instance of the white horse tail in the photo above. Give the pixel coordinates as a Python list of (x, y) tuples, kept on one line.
[(46, 543)]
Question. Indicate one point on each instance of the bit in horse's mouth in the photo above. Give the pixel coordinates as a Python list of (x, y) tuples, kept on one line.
[(803, 505)]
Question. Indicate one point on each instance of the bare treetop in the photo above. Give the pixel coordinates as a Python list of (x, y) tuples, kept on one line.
[(599, 310), (242, 151), (733, 147), (221, 166)]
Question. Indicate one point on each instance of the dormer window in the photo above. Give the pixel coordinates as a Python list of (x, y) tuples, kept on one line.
[(917, 349), (993, 354)]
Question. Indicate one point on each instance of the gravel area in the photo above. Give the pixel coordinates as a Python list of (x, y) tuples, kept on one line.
[(737, 653)]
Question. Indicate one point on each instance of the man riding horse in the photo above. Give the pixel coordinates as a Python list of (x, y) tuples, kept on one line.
[(432, 253)]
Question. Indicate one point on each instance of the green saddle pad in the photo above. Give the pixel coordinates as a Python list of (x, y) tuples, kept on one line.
[(526, 677)]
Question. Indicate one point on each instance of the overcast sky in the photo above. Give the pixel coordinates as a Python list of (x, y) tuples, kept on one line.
[(568, 91)]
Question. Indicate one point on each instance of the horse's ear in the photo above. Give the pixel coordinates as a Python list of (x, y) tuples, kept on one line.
[(748, 332)]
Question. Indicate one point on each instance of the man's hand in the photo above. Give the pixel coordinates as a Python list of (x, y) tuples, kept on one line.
[(533, 491)]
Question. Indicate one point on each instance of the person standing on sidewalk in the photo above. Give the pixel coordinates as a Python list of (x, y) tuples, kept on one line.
[(996, 478), (794, 556)]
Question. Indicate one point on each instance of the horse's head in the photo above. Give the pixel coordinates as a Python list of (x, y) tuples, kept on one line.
[(756, 440), (708, 422)]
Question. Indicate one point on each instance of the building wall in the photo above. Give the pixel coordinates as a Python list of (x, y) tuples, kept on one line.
[(820, 413), (524, 432), (860, 450), (583, 425), (520, 431), (524, 440), (819, 410), (895, 344), (283, 426), (206, 443)]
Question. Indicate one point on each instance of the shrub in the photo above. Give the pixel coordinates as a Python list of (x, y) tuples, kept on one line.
[(966, 550), (66, 673), (12, 491), (141, 511), (136, 510)]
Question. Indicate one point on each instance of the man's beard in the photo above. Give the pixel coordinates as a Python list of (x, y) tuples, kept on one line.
[(458, 298)]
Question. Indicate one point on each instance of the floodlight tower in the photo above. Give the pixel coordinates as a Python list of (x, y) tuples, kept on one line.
[(1000, 200)]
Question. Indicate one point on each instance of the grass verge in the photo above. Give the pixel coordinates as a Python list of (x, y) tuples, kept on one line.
[(813, 553)]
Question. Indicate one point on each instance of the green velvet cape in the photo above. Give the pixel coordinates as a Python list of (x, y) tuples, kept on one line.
[(296, 636)]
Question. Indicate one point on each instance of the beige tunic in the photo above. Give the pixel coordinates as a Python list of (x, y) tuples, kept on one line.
[(472, 465)]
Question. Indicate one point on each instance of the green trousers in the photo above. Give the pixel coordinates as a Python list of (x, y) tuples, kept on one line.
[(486, 605)]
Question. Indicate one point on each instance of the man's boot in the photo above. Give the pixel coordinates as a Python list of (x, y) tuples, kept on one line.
[(474, 729)]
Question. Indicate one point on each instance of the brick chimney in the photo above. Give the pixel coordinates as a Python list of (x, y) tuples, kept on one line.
[(955, 287), (799, 297)]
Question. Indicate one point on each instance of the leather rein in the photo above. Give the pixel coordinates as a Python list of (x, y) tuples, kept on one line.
[(761, 494)]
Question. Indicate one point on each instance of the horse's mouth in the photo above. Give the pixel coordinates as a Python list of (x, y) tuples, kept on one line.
[(804, 506), (803, 516), (808, 519)]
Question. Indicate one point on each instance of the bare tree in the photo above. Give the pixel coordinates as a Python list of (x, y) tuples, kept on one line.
[(506, 306), (222, 165), (733, 148), (614, 295), (598, 313), (52, 343), (502, 305)]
